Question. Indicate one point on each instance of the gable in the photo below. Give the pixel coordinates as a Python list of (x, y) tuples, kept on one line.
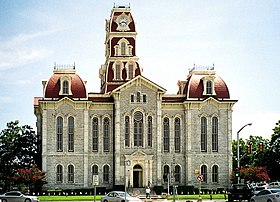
[(140, 81)]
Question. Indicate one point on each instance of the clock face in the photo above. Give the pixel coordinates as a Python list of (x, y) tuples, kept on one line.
[(123, 21)]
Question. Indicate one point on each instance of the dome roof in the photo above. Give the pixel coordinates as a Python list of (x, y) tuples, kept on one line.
[(53, 86), (194, 88)]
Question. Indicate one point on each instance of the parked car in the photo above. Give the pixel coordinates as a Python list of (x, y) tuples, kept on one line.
[(240, 192), (267, 195), (119, 196), (274, 185), (16, 196), (262, 184), (258, 189)]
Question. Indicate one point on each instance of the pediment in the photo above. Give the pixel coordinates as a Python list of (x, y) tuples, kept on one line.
[(138, 81), (139, 153)]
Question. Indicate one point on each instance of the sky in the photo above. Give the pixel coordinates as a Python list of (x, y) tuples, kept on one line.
[(241, 38)]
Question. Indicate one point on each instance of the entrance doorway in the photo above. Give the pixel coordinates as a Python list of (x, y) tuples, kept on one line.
[(137, 176)]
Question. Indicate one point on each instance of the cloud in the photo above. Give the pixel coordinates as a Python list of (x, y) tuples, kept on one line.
[(19, 50)]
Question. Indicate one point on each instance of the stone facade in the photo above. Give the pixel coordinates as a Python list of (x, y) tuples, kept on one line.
[(132, 133)]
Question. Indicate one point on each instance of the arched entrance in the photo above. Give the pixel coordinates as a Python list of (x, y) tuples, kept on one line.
[(137, 176)]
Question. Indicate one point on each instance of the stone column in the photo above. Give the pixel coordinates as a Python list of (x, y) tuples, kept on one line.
[(117, 139), (86, 146), (44, 139), (159, 139)]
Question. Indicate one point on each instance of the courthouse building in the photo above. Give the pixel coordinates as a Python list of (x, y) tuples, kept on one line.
[(131, 132)]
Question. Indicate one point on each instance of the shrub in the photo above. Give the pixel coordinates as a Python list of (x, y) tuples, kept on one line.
[(158, 189)]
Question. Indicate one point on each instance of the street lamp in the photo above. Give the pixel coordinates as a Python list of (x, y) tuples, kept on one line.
[(238, 161), (126, 163)]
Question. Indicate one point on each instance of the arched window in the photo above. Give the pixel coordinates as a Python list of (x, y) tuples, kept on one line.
[(118, 72), (177, 173), (70, 173), (166, 173), (130, 71), (204, 173), (65, 87), (138, 129), (127, 131), (215, 174), (209, 89), (106, 174), (214, 134), (166, 132), (177, 135), (123, 48), (94, 170), (203, 134), (59, 173), (95, 134), (150, 131), (106, 135), (59, 133), (71, 134)]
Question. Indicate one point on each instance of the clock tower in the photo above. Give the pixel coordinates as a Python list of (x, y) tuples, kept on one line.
[(121, 63)]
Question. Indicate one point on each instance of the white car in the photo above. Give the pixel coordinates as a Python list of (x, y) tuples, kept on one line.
[(119, 196), (274, 185), (267, 195), (16, 196)]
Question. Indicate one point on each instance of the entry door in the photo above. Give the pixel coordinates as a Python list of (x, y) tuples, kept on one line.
[(137, 176)]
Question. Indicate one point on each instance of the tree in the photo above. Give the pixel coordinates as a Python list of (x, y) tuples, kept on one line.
[(31, 177), (274, 153), (254, 174), (18, 149), (255, 158)]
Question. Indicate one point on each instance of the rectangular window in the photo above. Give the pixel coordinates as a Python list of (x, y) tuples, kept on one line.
[(214, 134), (95, 134), (59, 131), (203, 134), (106, 136), (127, 131), (177, 135), (150, 129), (131, 98), (144, 98), (166, 135), (71, 134)]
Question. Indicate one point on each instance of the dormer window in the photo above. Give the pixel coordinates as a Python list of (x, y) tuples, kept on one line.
[(123, 48), (65, 85), (209, 88), (208, 85)]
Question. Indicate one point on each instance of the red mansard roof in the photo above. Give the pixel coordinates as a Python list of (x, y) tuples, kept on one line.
[(78, 88)]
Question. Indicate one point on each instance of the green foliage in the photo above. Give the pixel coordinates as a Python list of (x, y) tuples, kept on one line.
[(269, 157), (18, 149), (273, 160)]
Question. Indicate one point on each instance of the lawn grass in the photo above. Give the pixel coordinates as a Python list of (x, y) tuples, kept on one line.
[(69, 198), (98, 197)]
